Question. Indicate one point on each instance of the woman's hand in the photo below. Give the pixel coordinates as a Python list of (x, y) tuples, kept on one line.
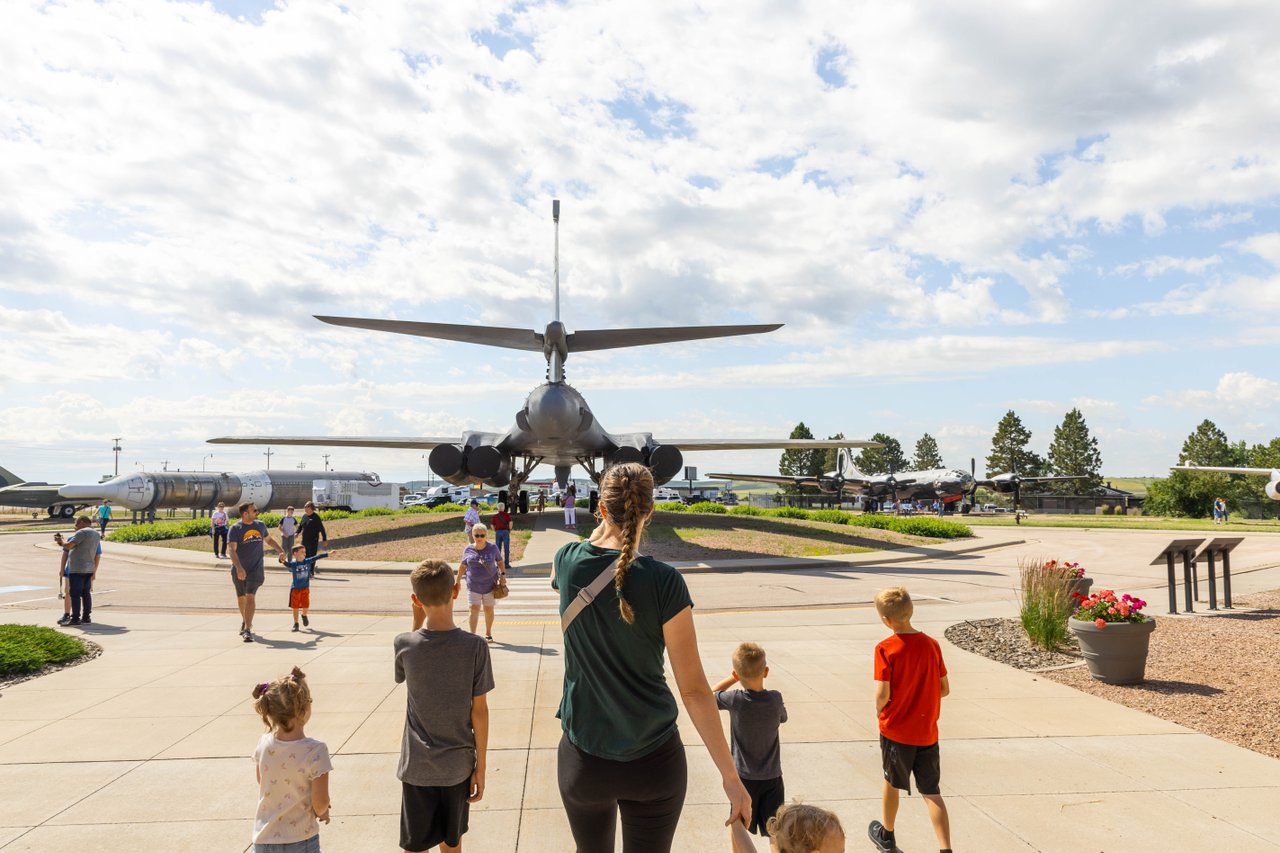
[(739, 800)]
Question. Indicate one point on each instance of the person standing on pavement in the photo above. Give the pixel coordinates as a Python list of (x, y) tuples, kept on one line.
[(312, 531), (245, 542), (104, 515), (82, 552), (218, 525), (500, 524), (484, 570), (471, 519), (288, 529), (571, 507)]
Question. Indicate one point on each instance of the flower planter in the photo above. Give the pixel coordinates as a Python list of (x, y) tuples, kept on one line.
[(1080, 585), (1116, 654)]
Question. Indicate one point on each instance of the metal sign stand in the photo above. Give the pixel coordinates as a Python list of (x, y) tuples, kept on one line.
[(1186, 548), (1220, 548)]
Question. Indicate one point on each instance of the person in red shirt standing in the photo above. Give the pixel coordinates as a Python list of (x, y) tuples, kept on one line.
[(500, 524), (911, 680)]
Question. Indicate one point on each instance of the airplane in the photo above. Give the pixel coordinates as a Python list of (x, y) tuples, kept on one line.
[(1272, 488), (555, 426), (14, 491)]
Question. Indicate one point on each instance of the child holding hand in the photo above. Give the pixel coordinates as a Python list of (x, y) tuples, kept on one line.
[(796, 828), (293, 770)]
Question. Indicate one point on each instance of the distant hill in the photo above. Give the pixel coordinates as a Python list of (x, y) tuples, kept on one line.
[(1137, 485)]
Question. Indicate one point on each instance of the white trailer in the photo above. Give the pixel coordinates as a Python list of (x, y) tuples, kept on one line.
[(355, 495), (437, 495)]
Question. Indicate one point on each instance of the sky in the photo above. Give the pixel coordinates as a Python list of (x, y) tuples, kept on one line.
[(956, 210)]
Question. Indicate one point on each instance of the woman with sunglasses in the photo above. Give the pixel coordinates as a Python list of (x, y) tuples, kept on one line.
[(483, 568)]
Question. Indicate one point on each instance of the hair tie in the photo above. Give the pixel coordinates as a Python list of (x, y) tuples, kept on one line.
[(263, 688)]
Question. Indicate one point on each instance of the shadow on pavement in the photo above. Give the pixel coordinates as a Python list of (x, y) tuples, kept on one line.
[(99, 628), (525, 650)]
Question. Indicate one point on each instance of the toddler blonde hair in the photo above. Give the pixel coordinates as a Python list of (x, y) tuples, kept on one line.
[(894, 603), (283, 702), (749, 661), (801, 828)]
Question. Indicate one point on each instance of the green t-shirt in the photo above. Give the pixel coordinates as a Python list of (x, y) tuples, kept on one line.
[(616, 703)]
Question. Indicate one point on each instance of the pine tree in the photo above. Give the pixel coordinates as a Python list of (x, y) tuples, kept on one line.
[(801, 463), (1208, 445), (1009, 451), (927, 456), (1074, 453), (882, 460), (831, 456)]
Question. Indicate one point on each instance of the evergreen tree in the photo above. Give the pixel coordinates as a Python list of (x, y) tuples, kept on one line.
[(927, 456), (882, 460), (1208, 445), (831, 456), (1009, 452), (801, 463), (1191, 494), (1074, 453)]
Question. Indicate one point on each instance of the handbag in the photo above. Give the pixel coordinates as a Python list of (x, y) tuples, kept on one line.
[(501, 590)]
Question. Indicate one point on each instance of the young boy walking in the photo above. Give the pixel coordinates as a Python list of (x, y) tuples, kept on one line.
[(446, 733), (911, 680), (754, 717), (303, 568)]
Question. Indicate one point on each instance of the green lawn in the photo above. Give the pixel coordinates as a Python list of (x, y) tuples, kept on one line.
[(25, 649), (1118, 522)]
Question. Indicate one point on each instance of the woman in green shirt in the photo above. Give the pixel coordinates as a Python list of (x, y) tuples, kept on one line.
[(620, 749)]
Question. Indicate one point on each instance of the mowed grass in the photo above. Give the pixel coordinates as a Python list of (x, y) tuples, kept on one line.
[(1128, 522), (25, 649)]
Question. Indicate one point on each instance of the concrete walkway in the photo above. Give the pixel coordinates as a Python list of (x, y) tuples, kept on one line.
[(146, 747)]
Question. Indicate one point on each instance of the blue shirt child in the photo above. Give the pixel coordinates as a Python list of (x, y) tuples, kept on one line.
[(303, 569)]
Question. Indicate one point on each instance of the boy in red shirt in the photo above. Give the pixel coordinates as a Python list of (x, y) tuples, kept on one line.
[(911, 680)]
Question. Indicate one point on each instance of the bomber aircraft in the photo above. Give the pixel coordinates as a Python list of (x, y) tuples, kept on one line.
[(14, 491), (555, 426), (1272, 488)]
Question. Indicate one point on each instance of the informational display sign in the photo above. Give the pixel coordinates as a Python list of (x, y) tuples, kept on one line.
[(690, 472)]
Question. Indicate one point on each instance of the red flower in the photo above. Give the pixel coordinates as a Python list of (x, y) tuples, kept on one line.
[(1100, 622)]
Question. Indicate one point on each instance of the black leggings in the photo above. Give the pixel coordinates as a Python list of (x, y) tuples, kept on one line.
[(649, 792)]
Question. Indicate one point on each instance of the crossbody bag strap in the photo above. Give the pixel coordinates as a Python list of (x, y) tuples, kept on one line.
[(585, 596)]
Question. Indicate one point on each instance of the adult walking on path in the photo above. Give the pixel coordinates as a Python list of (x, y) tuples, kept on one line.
[(620, 750), (471, 518), (82, 563), (483, 567), (570, 497), (247, 570), (104, 515), (219, 524), (500, 524), (311, 529)]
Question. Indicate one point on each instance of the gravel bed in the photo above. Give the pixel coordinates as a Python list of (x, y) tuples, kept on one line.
[(1215, 674)]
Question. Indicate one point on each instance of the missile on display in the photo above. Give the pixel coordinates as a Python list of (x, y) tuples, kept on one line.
[(146, 491)]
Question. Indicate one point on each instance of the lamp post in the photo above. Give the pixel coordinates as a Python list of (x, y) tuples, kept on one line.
[(206, 458), (115, 442)]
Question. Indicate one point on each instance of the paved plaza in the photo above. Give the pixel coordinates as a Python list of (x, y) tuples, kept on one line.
[(146, 748)]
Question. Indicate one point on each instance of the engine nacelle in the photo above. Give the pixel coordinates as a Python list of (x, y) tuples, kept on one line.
[(487, 462), (449, 462), (665, 461), (623, 455), (1273, 490)]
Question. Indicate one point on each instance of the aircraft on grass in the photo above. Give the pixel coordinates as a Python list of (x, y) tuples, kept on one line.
[(555, 426), (1272, 488)]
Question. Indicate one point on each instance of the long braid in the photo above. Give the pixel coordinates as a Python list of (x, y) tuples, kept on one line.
[(628, 494)]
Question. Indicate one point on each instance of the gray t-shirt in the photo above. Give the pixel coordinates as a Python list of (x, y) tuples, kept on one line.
[(754, 717), (443, 670), (80, 558), (248, 539)]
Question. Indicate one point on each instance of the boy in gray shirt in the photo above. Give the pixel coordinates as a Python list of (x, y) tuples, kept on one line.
[(754, 717), (446, 729)]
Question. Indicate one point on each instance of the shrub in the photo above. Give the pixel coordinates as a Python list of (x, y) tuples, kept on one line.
[(413, 510), (582, 503), (787, 512), (449, 508), (375, 510), (1044, 602), (830, 516), (746, 509), (152, 532), (708, 506), (878, 522), (30, 648), (671, 506), (333, 514), (935, 528), (271, 519)]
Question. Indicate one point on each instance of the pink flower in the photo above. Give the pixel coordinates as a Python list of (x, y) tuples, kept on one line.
[(1111, 610), (1100, 622)]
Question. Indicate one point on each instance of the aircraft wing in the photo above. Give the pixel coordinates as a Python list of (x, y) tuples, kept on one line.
[(767, 478), (766, 443), (409, 443), (1259, 472)]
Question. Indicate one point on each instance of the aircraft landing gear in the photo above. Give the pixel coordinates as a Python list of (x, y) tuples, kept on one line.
[(523, 503), (594, 502)]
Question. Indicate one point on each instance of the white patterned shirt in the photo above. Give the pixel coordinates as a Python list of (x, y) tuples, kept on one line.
[(286, 768)]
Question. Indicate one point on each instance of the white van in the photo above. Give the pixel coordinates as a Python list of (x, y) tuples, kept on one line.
[(665, 495)]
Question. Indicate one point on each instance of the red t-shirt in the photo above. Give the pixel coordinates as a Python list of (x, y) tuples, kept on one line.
[(912, 664), (500, 521)]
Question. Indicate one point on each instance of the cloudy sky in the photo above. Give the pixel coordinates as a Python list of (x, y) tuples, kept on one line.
[(956, 209)]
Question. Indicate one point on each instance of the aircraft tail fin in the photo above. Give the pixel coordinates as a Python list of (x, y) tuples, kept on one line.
[(8, 478), (600, 339)]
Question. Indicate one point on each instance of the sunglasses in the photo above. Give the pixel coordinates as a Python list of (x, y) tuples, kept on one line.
[(478, 536)]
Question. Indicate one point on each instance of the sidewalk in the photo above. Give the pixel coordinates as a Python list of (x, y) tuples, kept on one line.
[(146, 747)]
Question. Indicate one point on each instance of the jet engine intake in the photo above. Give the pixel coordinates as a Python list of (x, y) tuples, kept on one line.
[(449, 462), (490, 464), (625, 454), (1273, 490), (665, 461)]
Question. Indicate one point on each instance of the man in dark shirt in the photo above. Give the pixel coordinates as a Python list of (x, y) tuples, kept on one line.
[(311, 530)]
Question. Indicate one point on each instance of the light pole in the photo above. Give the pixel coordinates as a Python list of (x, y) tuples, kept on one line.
[(326, 461), (206, 458), (267, 453), (116, 450)]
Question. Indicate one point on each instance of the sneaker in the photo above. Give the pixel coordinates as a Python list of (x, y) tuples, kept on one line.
[(305, 620), (248, 636), (73, 621), (65, 620), (881, 837), (86, 621), (295, 626)]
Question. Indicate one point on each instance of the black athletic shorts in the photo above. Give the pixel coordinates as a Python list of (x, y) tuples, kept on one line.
[(767, 795), (902, 761), (434, 815), (249, 586)]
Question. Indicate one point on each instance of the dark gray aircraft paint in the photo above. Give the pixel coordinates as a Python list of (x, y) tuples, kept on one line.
[(14, 491), (555, 426)]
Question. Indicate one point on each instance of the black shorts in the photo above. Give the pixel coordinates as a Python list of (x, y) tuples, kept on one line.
[(434, 815), (902, 761), (767, 795), (250, 585)]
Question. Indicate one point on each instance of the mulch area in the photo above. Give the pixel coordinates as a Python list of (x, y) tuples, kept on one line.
[(1216, 674)]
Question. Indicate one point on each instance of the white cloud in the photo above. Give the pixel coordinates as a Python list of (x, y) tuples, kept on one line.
[(1235, 392), (1153, 267)]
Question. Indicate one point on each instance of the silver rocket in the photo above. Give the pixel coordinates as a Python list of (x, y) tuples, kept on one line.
[(145, 491)]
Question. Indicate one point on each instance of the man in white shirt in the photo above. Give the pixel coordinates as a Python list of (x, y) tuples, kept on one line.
[(471, 519)]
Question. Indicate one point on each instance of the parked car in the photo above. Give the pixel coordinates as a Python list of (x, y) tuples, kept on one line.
[(727, 499)]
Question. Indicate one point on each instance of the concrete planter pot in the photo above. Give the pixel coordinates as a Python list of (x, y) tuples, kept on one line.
[(1080, 585), (1116, 654)]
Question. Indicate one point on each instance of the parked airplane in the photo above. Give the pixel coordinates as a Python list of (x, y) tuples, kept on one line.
[(1272, 488), (946, 484), (555, 427), (14, 491)]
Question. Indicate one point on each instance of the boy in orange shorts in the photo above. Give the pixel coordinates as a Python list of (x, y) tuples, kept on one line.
[(302, 568)]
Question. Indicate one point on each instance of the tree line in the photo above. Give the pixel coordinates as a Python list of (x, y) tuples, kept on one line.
[(1191, 493)]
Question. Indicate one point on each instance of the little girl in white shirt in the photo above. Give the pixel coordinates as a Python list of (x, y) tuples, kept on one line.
[(293, 770)]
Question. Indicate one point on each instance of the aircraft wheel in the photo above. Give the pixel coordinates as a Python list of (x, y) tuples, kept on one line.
[(594, 502), (67, 511), (524, 501)]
